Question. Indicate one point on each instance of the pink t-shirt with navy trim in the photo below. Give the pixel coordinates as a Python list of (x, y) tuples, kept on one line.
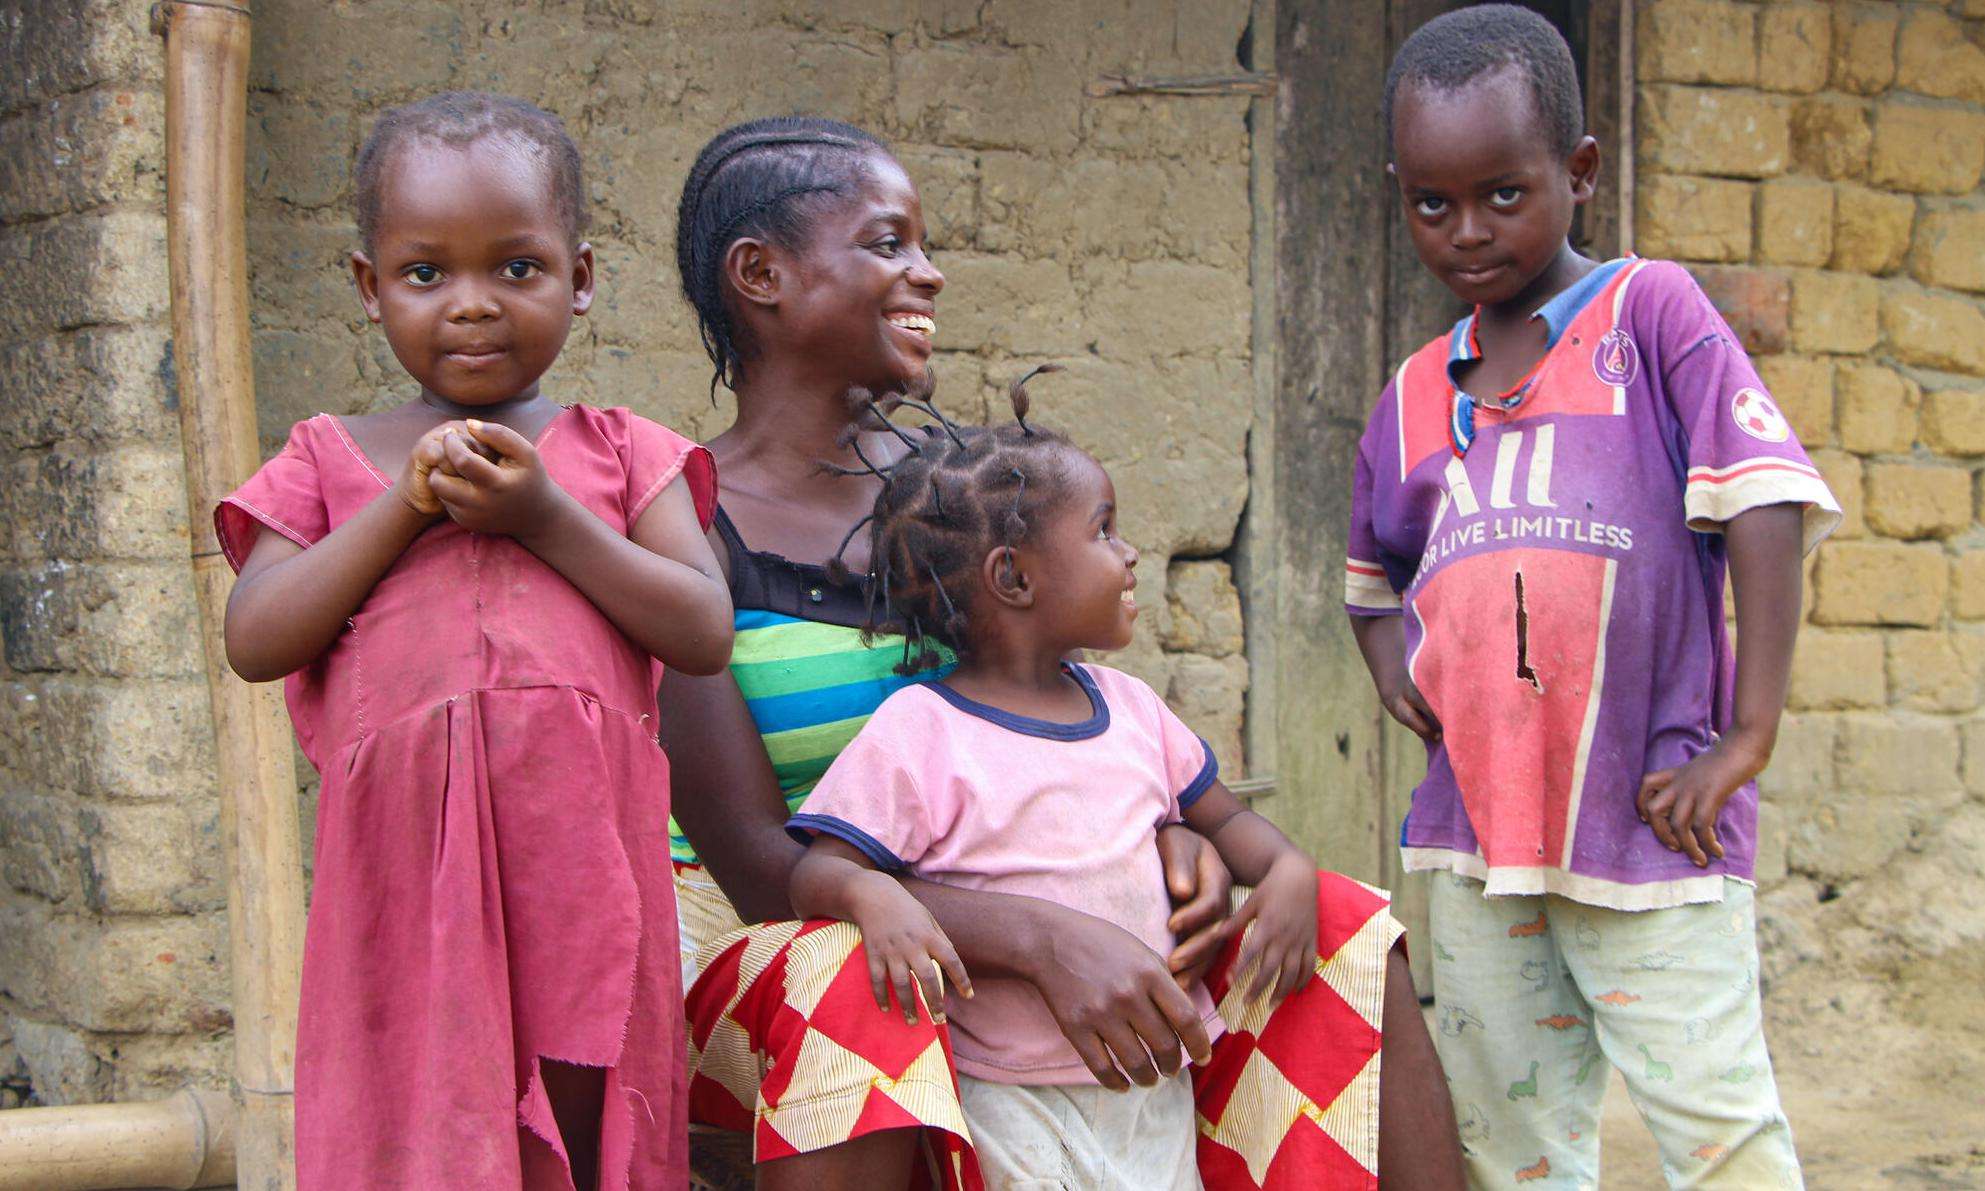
[(965, 794)]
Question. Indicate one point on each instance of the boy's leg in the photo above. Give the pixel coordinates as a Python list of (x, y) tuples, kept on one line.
[(1515, 1040), (1675, 992)]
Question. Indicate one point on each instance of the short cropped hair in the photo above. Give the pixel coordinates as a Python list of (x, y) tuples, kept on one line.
[(462, 118), (1456, 48)]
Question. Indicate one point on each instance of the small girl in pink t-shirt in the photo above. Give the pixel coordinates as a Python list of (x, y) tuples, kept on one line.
[(1022, 772)]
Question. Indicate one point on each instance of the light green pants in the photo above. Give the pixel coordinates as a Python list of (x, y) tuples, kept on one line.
[(1535, 994)]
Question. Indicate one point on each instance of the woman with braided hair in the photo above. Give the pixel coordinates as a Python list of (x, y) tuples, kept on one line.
[(801, 244)]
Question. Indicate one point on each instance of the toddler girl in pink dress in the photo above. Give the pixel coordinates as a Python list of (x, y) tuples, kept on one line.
[(472, 595)]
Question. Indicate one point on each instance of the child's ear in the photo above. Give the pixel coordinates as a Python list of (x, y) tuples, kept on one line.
[(753, 271), (367, 279), (582, 279), (1583, 165), (1005, 579)]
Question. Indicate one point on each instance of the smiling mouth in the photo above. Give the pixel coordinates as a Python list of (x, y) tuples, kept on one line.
[(920, 324)]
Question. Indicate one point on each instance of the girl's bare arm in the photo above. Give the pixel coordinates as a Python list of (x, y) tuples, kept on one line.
[(289, 604)]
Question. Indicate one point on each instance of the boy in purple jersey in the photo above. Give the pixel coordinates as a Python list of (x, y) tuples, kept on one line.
[(1547, 500)]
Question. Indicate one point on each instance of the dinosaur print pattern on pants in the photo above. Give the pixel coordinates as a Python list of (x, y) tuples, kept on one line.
[(1534, 995)]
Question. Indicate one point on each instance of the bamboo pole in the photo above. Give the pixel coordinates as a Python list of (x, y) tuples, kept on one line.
[(180, 1142), (206, 88)]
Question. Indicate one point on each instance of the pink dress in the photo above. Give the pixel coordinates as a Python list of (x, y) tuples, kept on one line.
[(491, 885)]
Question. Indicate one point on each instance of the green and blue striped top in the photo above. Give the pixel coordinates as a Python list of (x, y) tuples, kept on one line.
[(809, 683)]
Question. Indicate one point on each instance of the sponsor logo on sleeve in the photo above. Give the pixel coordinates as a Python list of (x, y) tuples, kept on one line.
[(1757, 415), (1616, 360)]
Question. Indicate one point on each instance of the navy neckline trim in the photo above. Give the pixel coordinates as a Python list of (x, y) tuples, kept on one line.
[(1097, 723)]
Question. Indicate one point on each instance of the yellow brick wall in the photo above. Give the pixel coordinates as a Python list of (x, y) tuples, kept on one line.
[(1818, 166)]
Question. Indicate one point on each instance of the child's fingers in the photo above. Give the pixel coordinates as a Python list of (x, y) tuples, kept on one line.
[(930, 979), (1304, 957), (878, 981), (1178, 854), (1292, 974), (1702, 829), (901, 980), (1680, 825), (1651, 785), (449, 489), (955, 968), (1261, 981), (1198, 948), (468, 463), (1207, 898), (507, 442), (1426, 711)]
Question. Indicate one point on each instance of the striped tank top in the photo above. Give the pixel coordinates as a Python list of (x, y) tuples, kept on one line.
[(807, 678)]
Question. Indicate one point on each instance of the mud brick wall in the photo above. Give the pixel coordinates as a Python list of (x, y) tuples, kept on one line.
[(112, 943), (1818, 166), (1108, 234)]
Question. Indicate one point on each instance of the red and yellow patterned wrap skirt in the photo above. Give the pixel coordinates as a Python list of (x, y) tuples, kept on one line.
[(786, 1044)]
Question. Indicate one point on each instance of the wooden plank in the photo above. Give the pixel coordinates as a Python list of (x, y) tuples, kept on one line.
[(1255, 545), (1330, 265), (1602, 227)]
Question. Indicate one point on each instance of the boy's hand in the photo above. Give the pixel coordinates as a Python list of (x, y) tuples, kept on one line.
[(904, 943), (428, 455), (1409, 707), (490, 480), (1201, 890), (1682, 804), (1278, 957)]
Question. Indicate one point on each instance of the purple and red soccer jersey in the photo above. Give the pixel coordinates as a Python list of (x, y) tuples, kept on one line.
[(1558, 559)]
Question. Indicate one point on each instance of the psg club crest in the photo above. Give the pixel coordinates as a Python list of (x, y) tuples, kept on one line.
[(1616, 360), (1757, 415)]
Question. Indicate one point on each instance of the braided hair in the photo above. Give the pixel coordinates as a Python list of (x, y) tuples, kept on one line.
[(958, 493), (763, 178), (462, 118)]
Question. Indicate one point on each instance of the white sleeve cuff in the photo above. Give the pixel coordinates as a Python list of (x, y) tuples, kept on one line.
[(1715, 495), (1366, 588)]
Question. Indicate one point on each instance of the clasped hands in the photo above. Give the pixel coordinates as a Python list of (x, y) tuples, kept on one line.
[(483, 476)]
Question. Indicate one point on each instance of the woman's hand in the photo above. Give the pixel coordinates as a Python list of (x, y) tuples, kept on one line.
[(1201, 890), (490, 480), (904, 943), (1116, 1003), (1278, 956)]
